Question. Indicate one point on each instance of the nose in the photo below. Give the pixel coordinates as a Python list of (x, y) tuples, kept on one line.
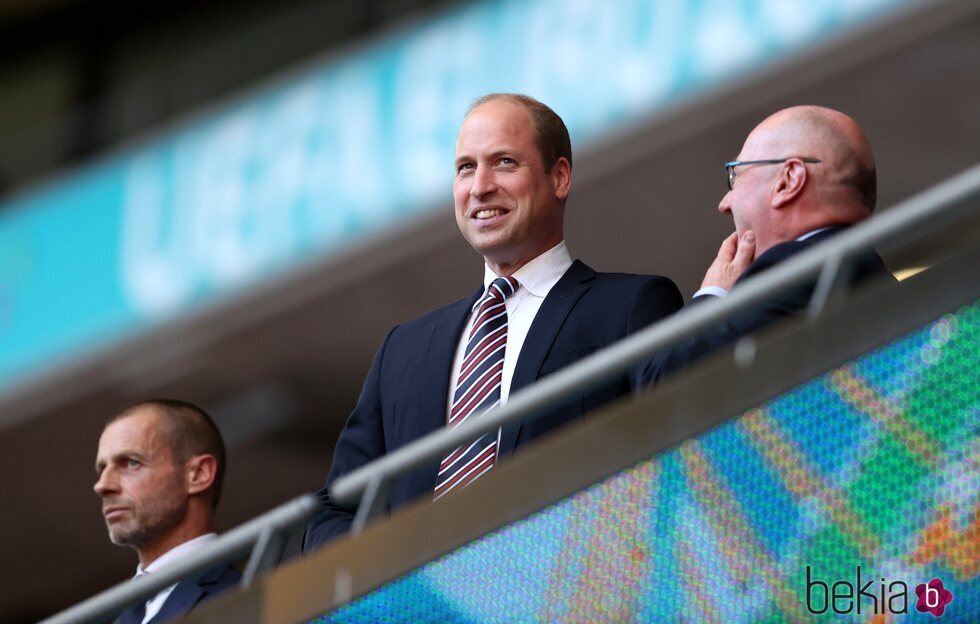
[(725, 205), (483, 182), (105, 484)]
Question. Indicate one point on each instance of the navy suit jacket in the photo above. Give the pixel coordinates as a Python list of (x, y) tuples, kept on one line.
[(199, 588), (405, 393), (786, 303)]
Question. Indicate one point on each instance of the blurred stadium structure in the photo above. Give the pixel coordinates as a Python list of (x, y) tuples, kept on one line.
[(277, 347)]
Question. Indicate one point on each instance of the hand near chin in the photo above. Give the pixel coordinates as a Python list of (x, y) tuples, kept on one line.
[(734, 256)]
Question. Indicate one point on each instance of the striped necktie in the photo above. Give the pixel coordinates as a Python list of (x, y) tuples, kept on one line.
[(478, 387)]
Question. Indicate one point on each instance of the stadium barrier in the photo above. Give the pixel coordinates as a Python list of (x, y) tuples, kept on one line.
[(948, 207)]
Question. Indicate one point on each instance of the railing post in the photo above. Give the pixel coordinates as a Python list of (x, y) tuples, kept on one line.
[(266, 553), (829, 291), (374, 501)]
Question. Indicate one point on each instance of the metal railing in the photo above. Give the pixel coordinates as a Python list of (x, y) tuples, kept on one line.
[(265, 536), (939, 207), (947, 204)]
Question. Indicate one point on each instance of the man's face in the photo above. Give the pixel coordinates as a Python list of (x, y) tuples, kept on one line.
[(748, 200), (143, 493), (507, 207)]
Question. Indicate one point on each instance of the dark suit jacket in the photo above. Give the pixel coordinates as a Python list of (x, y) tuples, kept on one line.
[(787, 303), (193, 591), (405, 393)]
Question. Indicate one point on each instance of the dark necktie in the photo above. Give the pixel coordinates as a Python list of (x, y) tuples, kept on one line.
[(478, 387), (133, 614)]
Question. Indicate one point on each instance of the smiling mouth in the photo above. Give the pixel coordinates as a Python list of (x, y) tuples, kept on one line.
[(488, 213)]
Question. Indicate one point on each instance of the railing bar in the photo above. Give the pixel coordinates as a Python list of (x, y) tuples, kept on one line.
[(928, 211), (227, 547)]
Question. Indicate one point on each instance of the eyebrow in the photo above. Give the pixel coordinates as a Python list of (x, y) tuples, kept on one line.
[(507, 151), (128, 454)]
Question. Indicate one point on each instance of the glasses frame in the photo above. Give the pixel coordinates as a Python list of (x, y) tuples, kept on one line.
[(730, 165)]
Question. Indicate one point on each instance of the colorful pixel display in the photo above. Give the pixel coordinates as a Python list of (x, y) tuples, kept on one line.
[(855, 498)]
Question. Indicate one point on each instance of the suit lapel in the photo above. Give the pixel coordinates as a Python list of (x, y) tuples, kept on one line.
[(181, 600), (544, 329), (187, 594)]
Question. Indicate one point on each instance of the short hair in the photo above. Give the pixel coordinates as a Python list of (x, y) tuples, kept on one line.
[(553, 140), (188, 431)]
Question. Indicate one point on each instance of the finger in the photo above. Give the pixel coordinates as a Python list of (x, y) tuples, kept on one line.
[(746, 250), (728, 247)]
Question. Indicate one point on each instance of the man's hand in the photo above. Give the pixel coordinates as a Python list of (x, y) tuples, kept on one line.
[(734, 256)]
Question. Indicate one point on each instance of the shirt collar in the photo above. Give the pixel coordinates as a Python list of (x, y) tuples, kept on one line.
[(813, 233), (176, 553), (539, 275)]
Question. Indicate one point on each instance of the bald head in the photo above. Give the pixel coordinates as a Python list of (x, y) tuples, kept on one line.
[(782, 200), (847, 170)]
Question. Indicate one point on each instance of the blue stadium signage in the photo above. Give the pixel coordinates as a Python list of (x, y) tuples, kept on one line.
[(352, 145)]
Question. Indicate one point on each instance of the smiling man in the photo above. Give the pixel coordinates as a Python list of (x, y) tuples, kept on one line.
[(536, 311), (160, 467)]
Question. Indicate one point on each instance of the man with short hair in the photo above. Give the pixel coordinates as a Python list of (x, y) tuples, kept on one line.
[(160, 467), (536, 312), (804, 174)]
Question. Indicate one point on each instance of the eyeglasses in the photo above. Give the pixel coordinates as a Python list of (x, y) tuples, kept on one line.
[(730, 166)]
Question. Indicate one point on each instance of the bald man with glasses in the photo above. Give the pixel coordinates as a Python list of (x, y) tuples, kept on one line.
[(804, 174)]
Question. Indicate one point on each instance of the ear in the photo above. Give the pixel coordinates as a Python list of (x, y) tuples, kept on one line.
[(789, 183), (561, 175), (200, 472)]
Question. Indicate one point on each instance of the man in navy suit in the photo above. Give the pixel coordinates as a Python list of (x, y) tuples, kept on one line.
[(160, 467), (804, 174), (513, 176)]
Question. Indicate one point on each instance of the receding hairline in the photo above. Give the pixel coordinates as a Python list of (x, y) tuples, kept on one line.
[(187, 430), (514, 98), (552, 137), (163, 408)]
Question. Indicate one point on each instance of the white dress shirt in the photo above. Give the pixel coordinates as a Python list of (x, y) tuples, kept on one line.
[(536, 278), (153, 605)]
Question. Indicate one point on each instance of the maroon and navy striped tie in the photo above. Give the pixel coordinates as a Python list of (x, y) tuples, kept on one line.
[(478, 387)]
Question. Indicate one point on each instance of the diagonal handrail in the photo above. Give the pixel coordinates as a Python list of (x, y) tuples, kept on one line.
[(947, 203), (229, 546)]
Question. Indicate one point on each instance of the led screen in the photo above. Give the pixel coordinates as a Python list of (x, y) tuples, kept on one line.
[(853, 497)]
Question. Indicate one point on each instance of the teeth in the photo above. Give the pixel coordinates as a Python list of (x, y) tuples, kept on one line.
[(486, 214)]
